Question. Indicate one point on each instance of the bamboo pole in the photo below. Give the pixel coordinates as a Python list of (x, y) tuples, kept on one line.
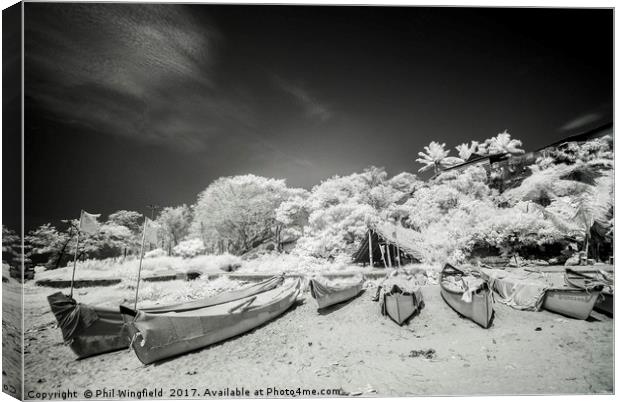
[(135, 305), (77, 245), (370, 248)]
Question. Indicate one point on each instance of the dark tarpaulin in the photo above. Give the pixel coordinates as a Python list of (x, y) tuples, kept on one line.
[(87, 329), (72, 317)]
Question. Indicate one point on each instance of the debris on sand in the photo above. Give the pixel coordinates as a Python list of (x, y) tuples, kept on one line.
[(426, 353)]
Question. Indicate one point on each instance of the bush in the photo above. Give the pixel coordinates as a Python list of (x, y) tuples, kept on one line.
[(189, 248)]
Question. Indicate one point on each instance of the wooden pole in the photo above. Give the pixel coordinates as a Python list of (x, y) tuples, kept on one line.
[(135, 305), (382, 256), (387, 245), (77, 245), (370, 248), (398, 256)]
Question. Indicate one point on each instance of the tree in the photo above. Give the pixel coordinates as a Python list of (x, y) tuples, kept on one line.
[(436, 157), (465, 151), (239, 211), (576, 198), (175, 223), (502, 143), (130, 220), (11, 246), (49, 243)]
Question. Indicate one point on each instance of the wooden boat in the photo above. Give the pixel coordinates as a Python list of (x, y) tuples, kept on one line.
[(92, 330), (399, 305), (571, 302), (580, 280), (480, 307), (327, 294), (160, 336)]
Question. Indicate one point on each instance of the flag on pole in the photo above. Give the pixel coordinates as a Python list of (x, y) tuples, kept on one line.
[(150, 231), (88, 222)]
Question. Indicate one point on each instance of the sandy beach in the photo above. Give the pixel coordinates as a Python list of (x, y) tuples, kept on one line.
[(11, 337), (350, 348)]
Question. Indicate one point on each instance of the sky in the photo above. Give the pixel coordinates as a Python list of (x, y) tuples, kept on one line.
[(132, 104)]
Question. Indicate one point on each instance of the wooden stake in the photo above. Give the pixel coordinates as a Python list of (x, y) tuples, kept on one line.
[(370, 248), (135, 305)]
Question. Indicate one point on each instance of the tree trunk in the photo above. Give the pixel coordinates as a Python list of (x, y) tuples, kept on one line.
[(61, 254)]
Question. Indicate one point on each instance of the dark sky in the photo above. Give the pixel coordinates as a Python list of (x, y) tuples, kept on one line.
[(130, 104)]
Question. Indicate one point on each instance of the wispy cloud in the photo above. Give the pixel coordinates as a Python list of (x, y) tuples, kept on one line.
[(311, 105), (135, 70), (581, 121)]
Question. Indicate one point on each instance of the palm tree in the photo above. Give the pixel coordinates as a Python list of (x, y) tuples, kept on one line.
[(590, 190), (465, 151), (501, 144), (436, 157)]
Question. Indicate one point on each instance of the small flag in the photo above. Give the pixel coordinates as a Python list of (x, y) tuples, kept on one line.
[(88, 222), (151, 228)]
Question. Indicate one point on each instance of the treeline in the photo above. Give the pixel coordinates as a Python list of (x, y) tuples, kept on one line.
[(558, 207)]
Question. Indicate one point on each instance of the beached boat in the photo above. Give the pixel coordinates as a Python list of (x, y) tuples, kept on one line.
[(605, 301), (400, 298), (472, 299), (92, 330), (327, 293), (571, 302), (160, 336)]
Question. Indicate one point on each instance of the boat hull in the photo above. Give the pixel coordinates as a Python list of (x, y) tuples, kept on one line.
[(479, 310), (605, 301), (161, 336), (97, 330), (327, 296), (401, 306), (574, 303)]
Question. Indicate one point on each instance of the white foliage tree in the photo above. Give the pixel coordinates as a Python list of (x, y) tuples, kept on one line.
[(502, 143), (239, 211), (465, 151), (436, 158)]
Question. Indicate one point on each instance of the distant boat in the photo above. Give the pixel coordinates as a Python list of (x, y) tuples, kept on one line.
[(400, 297), (93, 330), (474, 302), (327, 293), (160, 336)]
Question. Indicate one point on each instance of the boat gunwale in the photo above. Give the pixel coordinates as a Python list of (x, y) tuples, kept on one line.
[(483, 288)]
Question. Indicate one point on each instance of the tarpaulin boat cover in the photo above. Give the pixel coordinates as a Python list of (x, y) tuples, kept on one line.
[(517, 288), (328, 293), (87, 329), (224, 297), (72, 317)]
